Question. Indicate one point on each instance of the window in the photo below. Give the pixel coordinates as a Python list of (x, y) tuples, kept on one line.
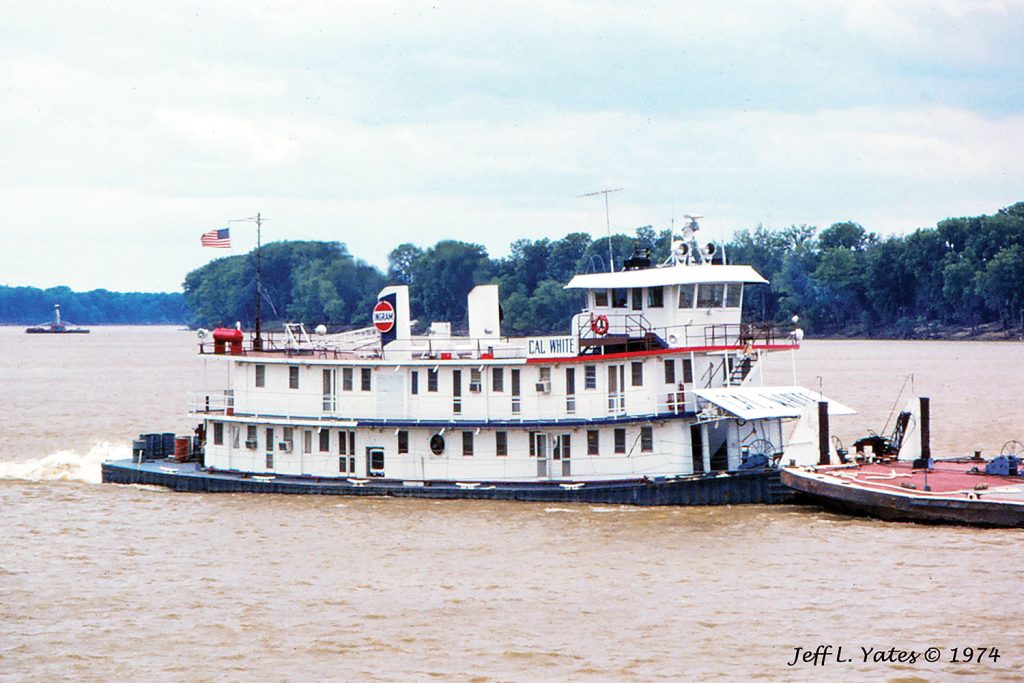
[(646, 440), (467, 443), (329, 397), (432, 379), (498, 379), (600, 297), (346, 443), (570, 390), (415, 382), (637, 371), (687, 370), (218, 433), (638, 299), (365, 375), (293, 377), (590, 377), (670, 371), (251, 434), (474, 380), (234, 436), (270, 439), (261, 375), (620, 440), (403, 441), (593, 442), (456, 391), (543, 380), (620, 297), (346, 379), (325, 440), (710, 296), (733, 295), (270, 461), (656, 297), (307, 441), (287, 438), (516, 401), (533, 444), (501, 443), (687, 295)]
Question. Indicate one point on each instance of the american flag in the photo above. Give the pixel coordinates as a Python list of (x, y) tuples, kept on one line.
[(219, 239)]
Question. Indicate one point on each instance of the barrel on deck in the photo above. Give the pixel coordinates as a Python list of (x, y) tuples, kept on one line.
[(181, 448)]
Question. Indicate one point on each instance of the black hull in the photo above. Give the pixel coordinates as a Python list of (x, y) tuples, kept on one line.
[(903, 508), (736, 488), (45, 331)]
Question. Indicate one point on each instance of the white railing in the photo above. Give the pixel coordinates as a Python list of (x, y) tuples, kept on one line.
[(474, 407)]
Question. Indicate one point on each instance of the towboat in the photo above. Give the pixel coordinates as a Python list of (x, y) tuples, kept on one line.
[(651, 397), (56, 326)]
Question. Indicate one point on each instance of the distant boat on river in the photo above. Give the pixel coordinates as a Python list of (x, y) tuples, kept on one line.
[(56, 326)]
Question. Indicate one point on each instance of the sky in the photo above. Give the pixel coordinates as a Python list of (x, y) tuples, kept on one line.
[(127, 129)]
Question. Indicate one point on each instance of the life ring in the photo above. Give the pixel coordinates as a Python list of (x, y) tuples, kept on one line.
[(599, 324)]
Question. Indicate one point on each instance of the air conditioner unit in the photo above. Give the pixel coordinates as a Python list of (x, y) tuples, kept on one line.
[(474, 387), (544, 387), (285, 446), (251, 444)]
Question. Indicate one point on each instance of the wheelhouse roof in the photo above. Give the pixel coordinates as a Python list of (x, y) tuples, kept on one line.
[(667, 275)]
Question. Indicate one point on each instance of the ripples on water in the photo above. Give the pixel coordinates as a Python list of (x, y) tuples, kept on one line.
[(116, 583)]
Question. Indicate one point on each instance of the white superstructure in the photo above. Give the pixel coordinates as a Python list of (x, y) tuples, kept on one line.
[(650, 379)]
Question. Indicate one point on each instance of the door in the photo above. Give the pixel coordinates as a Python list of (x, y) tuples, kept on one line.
[(616, 386), (540, 446), (697, 448), (561, 452)]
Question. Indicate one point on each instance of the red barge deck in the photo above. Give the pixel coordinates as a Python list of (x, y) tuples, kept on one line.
[(951, 492)]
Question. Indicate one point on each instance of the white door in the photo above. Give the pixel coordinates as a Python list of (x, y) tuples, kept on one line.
[(541, 446), (616, 387)]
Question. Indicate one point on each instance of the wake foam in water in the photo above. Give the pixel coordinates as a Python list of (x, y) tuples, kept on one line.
[(66, 465)]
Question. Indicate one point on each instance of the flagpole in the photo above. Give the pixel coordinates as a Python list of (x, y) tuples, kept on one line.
[(257, 341)]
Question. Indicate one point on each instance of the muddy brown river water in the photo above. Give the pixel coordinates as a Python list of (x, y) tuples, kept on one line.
[(102, 582)]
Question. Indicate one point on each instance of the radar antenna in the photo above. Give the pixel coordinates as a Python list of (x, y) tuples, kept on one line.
[(607, 220)]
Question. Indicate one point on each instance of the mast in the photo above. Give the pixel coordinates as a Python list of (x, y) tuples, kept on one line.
[(607, 222), (257, 342)]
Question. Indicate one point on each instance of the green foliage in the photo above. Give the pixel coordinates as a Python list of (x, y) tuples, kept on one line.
[(32, 306), (843, 279), (312, 282), (443, 277)]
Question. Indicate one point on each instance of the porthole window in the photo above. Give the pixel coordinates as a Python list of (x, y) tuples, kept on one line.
[(437, 444)]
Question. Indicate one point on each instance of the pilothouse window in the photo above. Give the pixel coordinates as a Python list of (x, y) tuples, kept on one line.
[(710, 296), (687, 295), (620, 298), (600, 297), (733, 295)]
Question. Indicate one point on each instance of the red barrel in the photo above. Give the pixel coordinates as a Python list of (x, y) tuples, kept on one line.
[(181, 445)]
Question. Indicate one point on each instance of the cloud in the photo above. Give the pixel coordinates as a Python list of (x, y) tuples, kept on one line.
[(133, 128)]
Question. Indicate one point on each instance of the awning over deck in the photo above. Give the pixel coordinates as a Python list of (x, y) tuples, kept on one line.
[(757, 403)]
